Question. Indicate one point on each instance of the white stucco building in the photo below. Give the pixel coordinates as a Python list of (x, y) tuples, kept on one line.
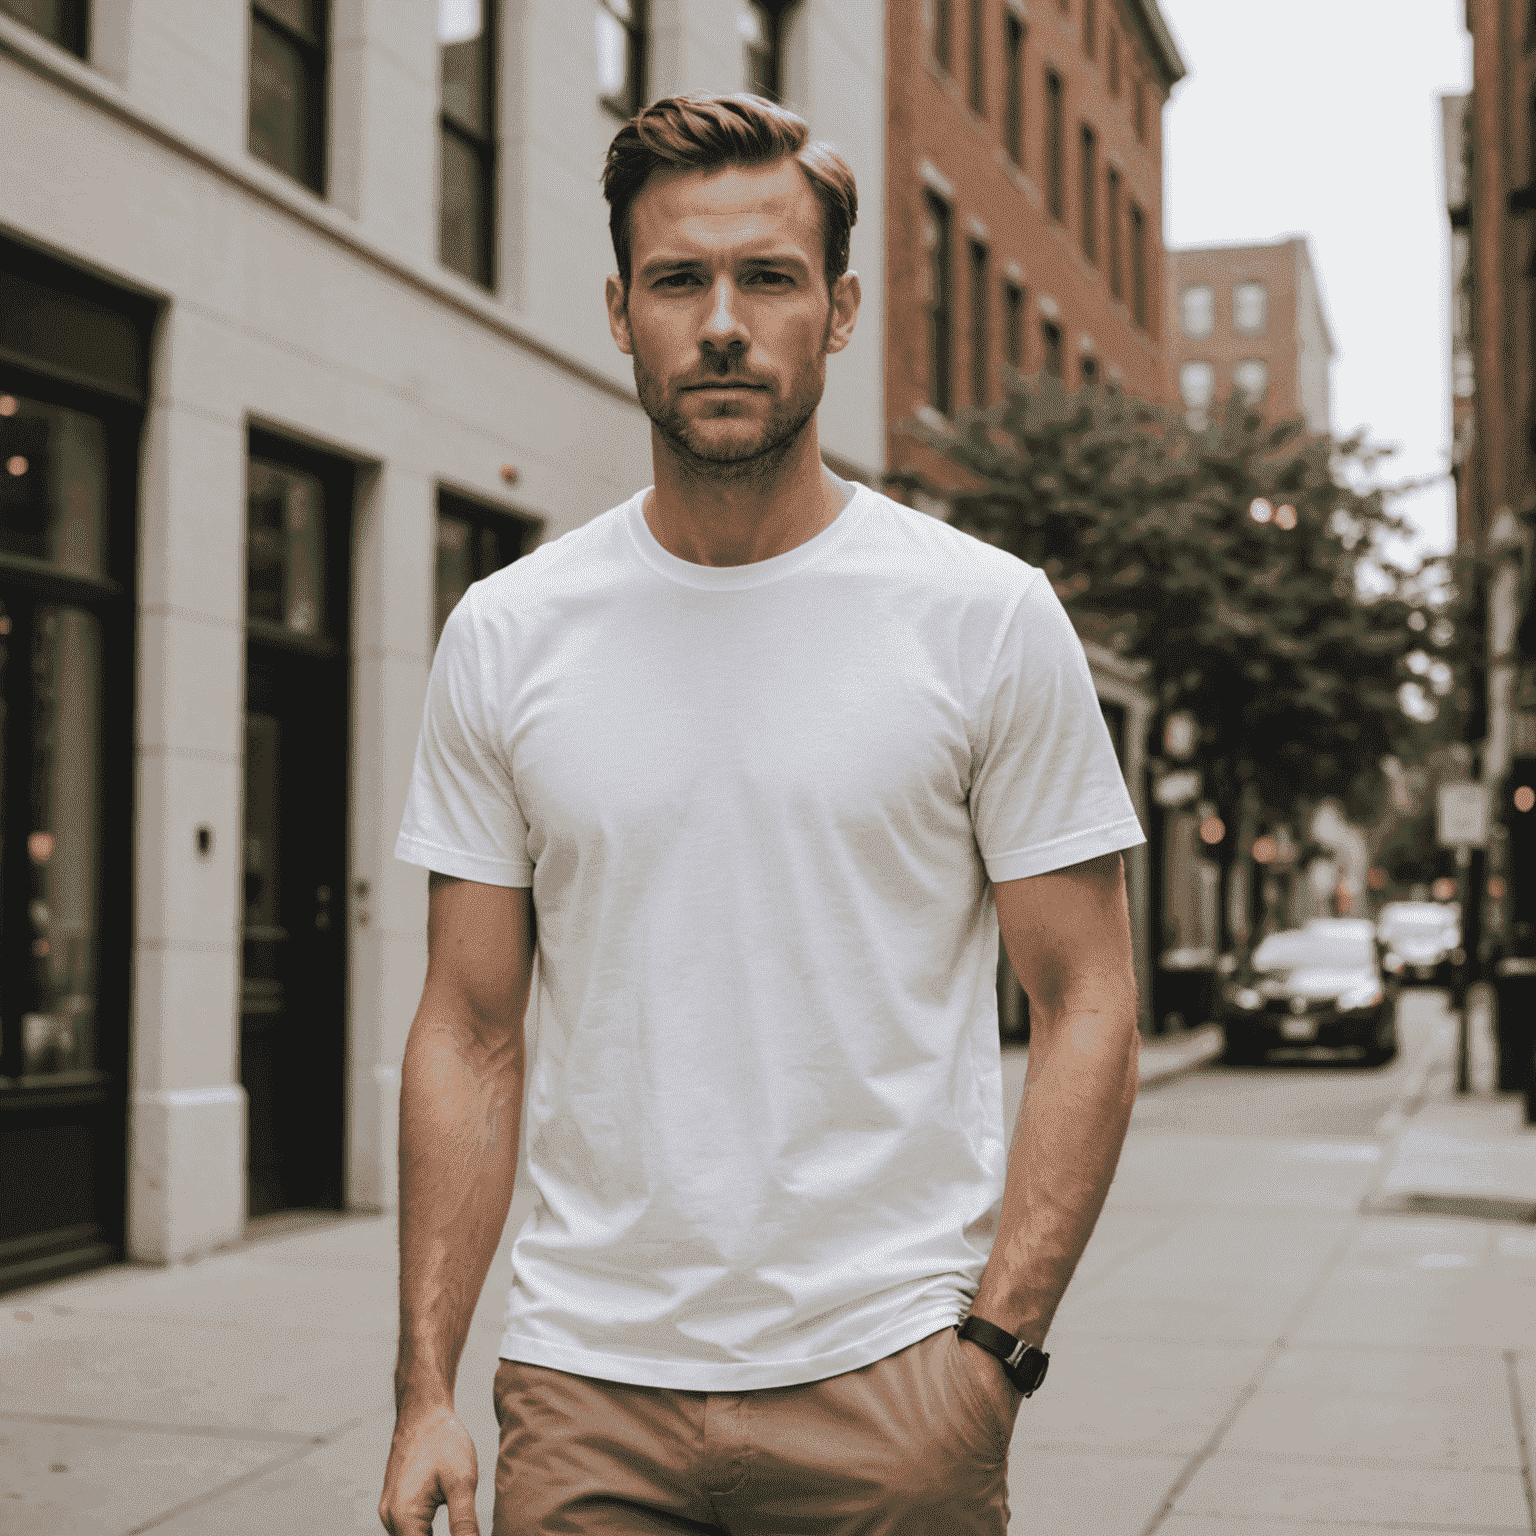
[(301, 329)]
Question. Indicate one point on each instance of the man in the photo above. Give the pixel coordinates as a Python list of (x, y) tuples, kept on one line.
[(771, 757)]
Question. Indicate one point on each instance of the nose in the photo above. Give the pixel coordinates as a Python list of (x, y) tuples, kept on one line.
[(723, 329)]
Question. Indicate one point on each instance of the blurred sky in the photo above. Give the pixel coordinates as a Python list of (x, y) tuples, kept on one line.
[(1321, 117)]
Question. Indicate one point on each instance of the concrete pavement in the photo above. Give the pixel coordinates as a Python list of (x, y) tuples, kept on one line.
[(1247, 1347)]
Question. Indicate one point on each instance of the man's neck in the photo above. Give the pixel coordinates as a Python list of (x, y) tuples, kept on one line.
[(725, 521)]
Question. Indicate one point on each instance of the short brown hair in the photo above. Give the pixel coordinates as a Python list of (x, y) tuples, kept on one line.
[(704, 132)]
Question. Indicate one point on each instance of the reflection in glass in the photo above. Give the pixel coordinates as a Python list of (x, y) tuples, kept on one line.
[(261, 983), (58, 1035), (53, 485), (462, 217), (285, 548), (460, 35)]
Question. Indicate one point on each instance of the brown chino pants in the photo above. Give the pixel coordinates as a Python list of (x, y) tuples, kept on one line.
[(913, 1445)]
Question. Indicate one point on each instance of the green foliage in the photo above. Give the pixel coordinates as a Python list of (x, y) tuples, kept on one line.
[(1261, 630)]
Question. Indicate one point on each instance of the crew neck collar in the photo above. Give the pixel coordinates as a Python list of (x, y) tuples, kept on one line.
[(736, 578)]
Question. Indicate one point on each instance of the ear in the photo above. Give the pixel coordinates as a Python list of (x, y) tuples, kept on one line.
[(618, 314), (845, 311)]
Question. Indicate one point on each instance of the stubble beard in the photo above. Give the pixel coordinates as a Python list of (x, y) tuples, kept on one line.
[(758, 456)]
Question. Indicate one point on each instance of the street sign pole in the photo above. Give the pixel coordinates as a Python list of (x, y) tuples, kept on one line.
[(1461, 822), (1459, 995)]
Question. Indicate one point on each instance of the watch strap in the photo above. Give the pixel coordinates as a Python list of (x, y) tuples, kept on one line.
[(1025, 1365)]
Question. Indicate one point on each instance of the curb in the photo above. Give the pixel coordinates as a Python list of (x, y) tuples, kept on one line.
[(1162, 1063)]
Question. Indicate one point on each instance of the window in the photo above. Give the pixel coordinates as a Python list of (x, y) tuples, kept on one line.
[(977, 52), (467, 152), (621, 55), (981, 318), (1090, 192), (1114, 60), (1252, 379), (1112, 231), (1139, 266), (936, 237), (1055, 150), (1197, 385), (942, 43), (1054, 360), (1139, 109), (1250, 308), (1013, 102), (1090, 27), (473, 542), (61, 21), (761, 24), (1197, 310), (287, 88), (1089, 368), (1013, 325)]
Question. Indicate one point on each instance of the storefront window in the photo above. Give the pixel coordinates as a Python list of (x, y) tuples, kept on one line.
[(285, 556), (58, 1035), (52, 485)]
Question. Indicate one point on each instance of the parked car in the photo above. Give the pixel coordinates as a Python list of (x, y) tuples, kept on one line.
[(1420, 940), (1314, 989)]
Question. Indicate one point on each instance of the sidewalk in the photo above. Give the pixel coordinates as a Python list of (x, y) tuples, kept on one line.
[(1244, 1348)]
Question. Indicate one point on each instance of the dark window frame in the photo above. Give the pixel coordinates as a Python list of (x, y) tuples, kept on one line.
[(941, 304), (1055, 146), (1088, 150), (315, 53), (1090, 28), (1113, 188), (637, 38), (977, 49), (1053, 356), (1112, 44), (1139, 109), (1138, 240), (481, 144), (979, 263), (117, 399), (73, 33), (766, 64), (943, 39), (1014, 307), (515, 533), (1015, 35)]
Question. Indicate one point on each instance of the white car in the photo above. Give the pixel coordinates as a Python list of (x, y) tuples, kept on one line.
[(1420, 940)]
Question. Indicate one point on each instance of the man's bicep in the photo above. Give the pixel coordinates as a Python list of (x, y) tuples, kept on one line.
[(480, 942), (1067, 928)]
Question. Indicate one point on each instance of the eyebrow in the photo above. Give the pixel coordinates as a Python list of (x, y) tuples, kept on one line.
[(658, 265)]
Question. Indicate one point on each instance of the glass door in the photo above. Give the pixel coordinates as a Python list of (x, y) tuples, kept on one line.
[(293, 978)]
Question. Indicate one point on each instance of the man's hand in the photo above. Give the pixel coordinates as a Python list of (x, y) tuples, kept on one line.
[(431, 1462)]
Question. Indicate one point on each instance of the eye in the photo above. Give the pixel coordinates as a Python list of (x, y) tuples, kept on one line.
[(773, 279), (676, 280)]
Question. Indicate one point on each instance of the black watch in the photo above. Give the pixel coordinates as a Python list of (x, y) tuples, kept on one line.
[(1025, 1365)]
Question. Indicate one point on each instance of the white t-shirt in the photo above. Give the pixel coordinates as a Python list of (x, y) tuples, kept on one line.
[(758, 806)]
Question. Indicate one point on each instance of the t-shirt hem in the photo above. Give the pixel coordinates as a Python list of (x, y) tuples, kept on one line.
[(1061, 852), (721, 1376), (461, 865)]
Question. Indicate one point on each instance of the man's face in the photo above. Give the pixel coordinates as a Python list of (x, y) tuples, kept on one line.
[(727, 315)]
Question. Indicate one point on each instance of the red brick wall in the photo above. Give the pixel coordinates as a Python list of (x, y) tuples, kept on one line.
[(1225, 347), (930, 119)]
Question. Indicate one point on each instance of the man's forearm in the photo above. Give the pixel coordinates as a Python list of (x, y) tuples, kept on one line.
[(1072, 1121), (461, 1099)]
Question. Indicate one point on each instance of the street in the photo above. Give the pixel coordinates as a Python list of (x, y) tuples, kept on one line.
[(1241, 1349)]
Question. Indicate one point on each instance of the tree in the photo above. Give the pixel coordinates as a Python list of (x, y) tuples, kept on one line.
[(1243, 561)]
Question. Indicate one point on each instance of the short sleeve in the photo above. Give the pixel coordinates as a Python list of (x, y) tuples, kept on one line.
[(1046, 786), (461, 812)]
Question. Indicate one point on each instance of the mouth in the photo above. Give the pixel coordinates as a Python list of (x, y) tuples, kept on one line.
[(724, 388)]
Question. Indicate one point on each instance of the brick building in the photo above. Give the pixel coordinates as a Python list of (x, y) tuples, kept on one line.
[(1024, 202), (1496, 500), (1249, 318)]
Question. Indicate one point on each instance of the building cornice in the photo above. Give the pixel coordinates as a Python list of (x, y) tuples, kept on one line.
[(1158, 41)]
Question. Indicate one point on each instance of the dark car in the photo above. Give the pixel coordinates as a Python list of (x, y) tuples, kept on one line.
[(1312, 990)]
